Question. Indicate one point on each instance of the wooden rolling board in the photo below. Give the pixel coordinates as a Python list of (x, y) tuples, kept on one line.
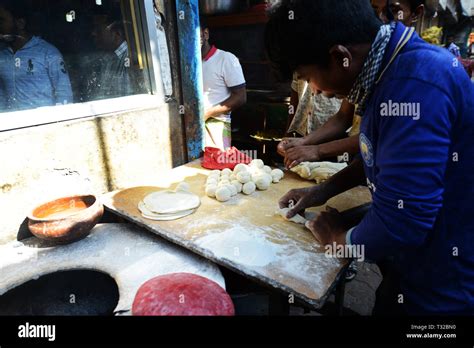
[(245, 235)]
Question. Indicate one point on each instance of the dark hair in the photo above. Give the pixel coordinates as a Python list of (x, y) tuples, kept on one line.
[(18, 9), (301, 32), (117, 26), (414, 4), (203, 22)]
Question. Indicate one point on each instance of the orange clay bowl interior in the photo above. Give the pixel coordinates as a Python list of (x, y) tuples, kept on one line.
[(65, 220)]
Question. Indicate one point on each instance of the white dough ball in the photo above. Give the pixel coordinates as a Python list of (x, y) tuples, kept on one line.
[(211, 181), (216, 172), (211, 191), (263, 183), (249, 188), (233, 190), (223, 194), (257, 175), (241, 168), (226, 171), (244, 177), (224, 177), (223, 183), (183, 186), (257, 164), (277, 175), (237, 185), (267, 169)]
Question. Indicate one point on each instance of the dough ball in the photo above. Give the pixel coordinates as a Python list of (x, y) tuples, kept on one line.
[(183, 186), (223, 183), (223, 194), (232, 177), (211, 191), (211, 181), (224, 177), (233, 190), (216, 172), (249, 188), (257, 164), (263, 183), (237, 185), (241, 168), (277, 175), (244, 177), (226, 171), (257, 175), (267, 169)]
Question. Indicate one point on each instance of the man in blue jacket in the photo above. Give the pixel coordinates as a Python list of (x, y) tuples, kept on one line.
[(417, 151), (32, 71)]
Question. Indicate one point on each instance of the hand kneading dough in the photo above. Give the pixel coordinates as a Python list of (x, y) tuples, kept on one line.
[(211, 191), (244, 177), (223, 194), (249, 188), (298, 219)]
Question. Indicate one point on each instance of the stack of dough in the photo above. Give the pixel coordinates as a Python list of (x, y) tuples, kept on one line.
[(318, 171), (246, 179), (169, 205)]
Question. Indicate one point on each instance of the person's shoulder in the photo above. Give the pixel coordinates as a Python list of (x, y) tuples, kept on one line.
[(428, 63), (228, 56), (49, 48)]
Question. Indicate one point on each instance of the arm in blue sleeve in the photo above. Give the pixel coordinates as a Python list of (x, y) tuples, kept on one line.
[(59, 79), (411, 156)]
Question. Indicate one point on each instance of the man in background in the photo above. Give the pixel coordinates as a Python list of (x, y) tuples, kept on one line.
[(32, 71), (224, 90), (110, 75)]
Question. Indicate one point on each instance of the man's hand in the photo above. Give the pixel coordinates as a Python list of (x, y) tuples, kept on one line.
[(288, 143), (303, 198), (328, 227), (298, 154)]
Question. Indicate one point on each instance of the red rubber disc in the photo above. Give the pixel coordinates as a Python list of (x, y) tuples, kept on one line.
[(182, 294)]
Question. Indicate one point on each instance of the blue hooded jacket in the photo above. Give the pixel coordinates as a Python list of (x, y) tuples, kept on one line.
[(417, 143)]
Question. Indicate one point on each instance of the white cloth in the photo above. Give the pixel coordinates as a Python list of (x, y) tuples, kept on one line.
[(221, 72), (313, 110), (164, 56)]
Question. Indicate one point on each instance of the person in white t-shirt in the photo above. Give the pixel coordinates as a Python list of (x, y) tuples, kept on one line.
[(224, 91)]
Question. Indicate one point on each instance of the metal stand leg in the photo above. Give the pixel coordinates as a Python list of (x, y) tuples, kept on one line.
[(339, 296)]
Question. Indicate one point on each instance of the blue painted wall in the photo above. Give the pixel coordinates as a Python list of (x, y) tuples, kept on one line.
[(187, 12)]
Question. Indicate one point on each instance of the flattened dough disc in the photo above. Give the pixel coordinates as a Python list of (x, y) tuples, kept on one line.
[(169, 202), (147, 214)]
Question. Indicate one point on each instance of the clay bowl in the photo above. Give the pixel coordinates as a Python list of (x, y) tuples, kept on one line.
[(65, 220)]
